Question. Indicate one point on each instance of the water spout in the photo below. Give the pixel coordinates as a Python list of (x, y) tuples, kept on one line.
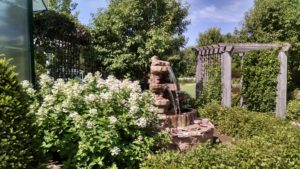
[(173, 101), (172, 79)]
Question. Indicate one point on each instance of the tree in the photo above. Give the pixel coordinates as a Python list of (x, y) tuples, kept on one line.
[(211, 36), (184, 63), (276, 21), (129, 32), (64, 6)]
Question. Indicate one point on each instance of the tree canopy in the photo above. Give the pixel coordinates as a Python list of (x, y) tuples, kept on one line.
[(129, 32), (276, 21), (64, 6), (211, 36)]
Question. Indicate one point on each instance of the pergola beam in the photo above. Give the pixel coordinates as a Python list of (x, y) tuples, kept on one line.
[(234, 47)]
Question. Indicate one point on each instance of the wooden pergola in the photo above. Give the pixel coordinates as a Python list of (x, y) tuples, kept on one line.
[(223, 51)]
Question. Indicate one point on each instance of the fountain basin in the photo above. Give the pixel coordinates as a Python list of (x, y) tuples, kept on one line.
[(201, 131), (181, 120)]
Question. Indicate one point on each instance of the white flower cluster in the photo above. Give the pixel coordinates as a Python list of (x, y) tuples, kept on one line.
[(115, 151), (76, 118), (112, 119), (28, 88), (141, 122), (90, 98), (92, 112), (106, 96), (89, 124), (133, 102), (45, 80), (88, 78), (58, 86)]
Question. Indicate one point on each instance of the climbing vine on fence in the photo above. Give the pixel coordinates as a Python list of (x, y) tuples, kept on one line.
[(259, 72), (212, 86)]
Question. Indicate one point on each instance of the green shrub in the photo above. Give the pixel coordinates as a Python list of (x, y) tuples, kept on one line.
[(254, 153), (262, 141), (97, 123), (238, 122), (259, 72), (188, 101), (293, 110), (17, 134)]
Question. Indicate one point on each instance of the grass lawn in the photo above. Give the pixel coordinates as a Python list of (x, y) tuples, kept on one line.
[(189, 88)]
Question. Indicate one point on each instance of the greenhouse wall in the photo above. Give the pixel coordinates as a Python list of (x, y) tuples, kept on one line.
[(15, 41)]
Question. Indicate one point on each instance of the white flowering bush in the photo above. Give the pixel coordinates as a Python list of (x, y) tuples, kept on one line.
[(96, 123)]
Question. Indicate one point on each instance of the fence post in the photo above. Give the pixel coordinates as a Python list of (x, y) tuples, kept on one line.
[(282, 83), (226, 79)]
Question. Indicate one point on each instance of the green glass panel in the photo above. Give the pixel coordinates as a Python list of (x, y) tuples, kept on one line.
[(15, 35), (39, 5)]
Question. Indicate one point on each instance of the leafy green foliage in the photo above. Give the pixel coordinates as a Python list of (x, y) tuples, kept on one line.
[(17, 145), (209, 37), (212, 87), (260, 72), (129, 32), (240, 123), (214, 36), (273, 21), (62, 6), (263, 141), (184, 63), (97, 123), (293, 110)]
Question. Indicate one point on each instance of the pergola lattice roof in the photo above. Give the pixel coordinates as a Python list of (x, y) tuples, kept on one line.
[(237, 48)]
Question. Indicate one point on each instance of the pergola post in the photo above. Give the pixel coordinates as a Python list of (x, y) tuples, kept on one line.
[(282, 83), (241, 80), (226, 79)]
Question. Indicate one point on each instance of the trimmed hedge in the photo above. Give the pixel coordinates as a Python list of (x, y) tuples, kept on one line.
[(293, 110), (240, 123), (17, 134), (262, 141), (260, 70)]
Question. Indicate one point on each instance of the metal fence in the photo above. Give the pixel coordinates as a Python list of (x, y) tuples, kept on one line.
[(63, 48)]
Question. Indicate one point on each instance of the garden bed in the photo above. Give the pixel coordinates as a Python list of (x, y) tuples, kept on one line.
[(261, 141)]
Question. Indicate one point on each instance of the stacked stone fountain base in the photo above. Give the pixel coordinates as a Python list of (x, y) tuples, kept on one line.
[(184, 127)]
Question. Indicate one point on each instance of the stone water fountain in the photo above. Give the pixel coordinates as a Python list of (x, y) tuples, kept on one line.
[(183, 125)]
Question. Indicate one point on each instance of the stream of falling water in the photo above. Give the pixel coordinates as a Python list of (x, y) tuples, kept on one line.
[(173, 80), (173, 101)]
